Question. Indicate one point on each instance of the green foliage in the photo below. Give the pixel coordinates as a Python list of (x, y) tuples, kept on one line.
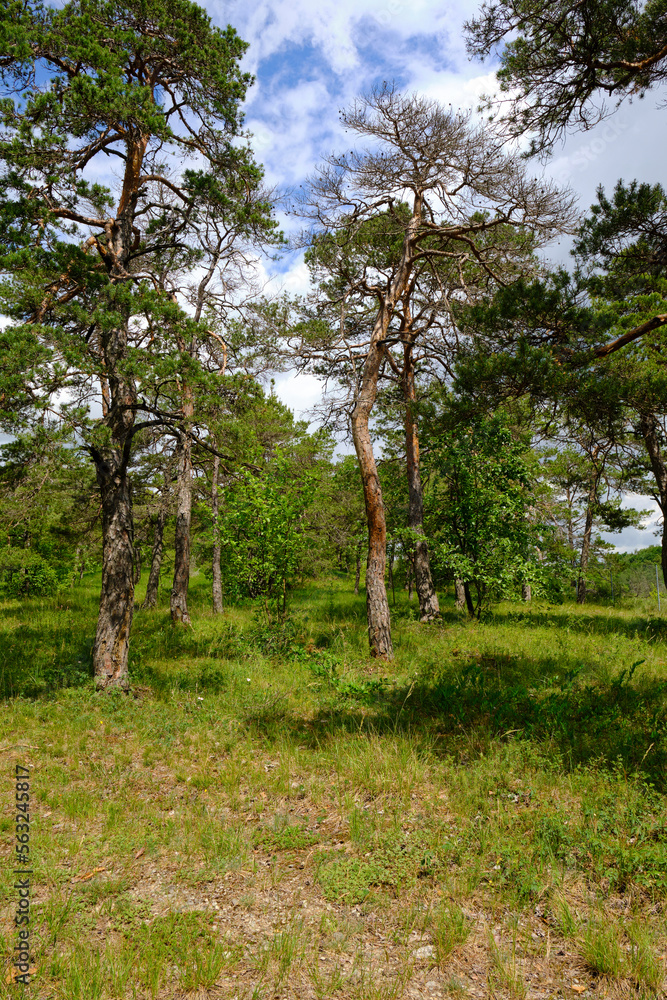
[(624, 235), (478, 508), (45, 489), (336, 518), (327, 668), (634, 572), (560, 58), (27, 574), (393, 865), (261, 531), (450, 928), (160, 88), (285, 836)]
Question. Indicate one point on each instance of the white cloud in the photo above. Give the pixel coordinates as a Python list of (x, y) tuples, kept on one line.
[(311, 60), (334, 26), (637, 538), (299, 392)]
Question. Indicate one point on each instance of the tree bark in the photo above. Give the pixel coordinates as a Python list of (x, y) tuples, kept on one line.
[(526, 592), (217, 575), (468, 599), (650, 433), (377, 606), (153, 584), (112, 639), (429, 608), (585, 548), (460, 594), (179, 591)]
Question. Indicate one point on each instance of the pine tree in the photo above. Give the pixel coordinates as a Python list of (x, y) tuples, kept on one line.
[(152, 89)]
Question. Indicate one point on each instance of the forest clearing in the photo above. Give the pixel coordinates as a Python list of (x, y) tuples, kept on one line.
[(327, 670), (271, 814)]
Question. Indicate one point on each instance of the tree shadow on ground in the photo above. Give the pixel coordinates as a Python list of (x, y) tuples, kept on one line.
[(33, 664), (643, 626), (618, 724)]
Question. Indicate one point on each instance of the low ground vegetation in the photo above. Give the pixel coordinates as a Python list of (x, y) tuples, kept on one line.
[(269, 814)]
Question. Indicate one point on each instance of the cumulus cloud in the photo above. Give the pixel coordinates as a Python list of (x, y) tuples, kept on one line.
[(311, 60), (646, 534)]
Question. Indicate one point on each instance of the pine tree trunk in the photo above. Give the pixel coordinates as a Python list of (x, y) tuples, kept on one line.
[(429, 608), (377, 605), (570, 538), (217, 575), (650, 433), (526, 592), (459, 588), (153, 584), (112, 639), (585, 550), (179, 591)]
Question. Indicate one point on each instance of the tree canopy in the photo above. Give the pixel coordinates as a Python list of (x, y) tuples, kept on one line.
[(561, 60)]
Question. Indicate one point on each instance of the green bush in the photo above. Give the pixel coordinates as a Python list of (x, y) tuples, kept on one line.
[(34, 578)]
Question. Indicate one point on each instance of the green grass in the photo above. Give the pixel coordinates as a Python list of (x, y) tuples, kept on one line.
[(273, 814)]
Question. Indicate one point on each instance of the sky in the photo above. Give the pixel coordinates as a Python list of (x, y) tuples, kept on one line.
[(312, 59)]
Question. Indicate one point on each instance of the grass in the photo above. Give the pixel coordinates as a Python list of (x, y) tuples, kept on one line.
[(274, 815)]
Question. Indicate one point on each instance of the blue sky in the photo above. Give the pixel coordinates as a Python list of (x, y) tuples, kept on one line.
[(311, 59)]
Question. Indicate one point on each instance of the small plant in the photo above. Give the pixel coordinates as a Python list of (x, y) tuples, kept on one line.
[(644, 965), (203, 966), (449, 928), (455, 987), (281, 635), (288, 948), (601, 950), (346, 881), (326, 667), (566, 920), (288, 837), (505, 970), (326, 982), (371, 986)]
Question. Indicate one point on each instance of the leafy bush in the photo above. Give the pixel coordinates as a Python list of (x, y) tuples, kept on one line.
[(27, 574), (478, 510)]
